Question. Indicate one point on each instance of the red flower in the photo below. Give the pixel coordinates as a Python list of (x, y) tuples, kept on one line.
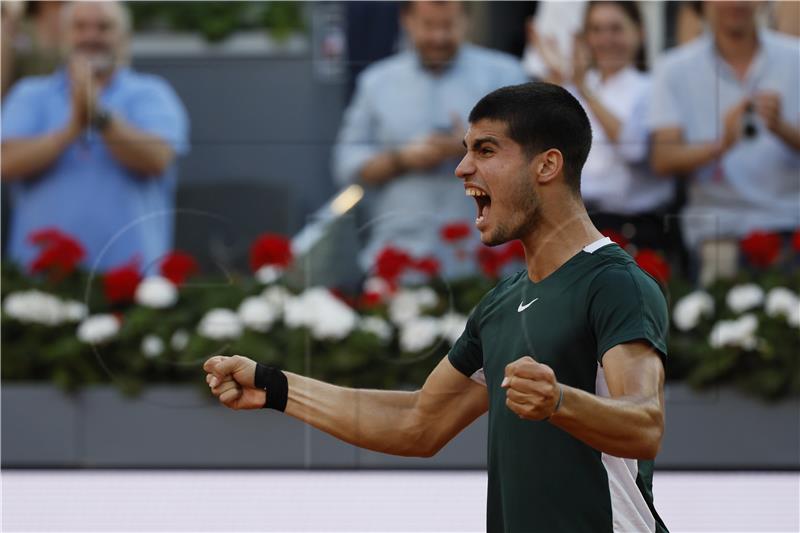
[(270, 249), (427, 265), (120, 283), (796, 241), (59, 255), (761, 248), (514, 250), (491, 260), (177, 266), (616, 236), (391, 263), (455, 231), (370, 300), (654, 264)]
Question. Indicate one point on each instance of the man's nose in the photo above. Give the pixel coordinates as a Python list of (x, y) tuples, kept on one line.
[(466, 167)]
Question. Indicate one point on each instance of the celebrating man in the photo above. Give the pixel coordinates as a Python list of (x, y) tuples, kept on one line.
[(565, 355)]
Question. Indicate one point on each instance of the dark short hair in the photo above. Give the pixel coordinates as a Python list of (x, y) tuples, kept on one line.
[(540, 116)]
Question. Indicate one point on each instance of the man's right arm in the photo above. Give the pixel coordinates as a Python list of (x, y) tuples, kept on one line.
[(415, 423), (26, 157)]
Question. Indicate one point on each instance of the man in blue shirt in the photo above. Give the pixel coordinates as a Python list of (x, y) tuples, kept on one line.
[(402, 134), (725, 112), (90, 150)]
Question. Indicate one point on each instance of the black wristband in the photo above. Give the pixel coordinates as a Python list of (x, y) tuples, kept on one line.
[(274, 382)]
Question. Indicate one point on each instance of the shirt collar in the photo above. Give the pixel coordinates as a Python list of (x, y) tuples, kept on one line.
[(120, 73), (454, 63), (756, 67)]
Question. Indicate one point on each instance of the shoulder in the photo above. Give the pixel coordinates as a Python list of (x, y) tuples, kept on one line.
[(145, 82), (36, 86), (785, 47), (493, 59), (620, 277), (682, 58), (387, 69)]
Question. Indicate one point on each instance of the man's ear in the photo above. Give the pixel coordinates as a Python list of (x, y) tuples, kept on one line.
[(548, 165)]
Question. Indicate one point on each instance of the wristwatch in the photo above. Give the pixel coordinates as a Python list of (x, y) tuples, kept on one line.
[(101, 119)]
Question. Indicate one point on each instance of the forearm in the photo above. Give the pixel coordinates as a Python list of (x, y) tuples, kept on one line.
[(789, 135), (25, 158), (382, 421), (611, 125), (381, 168), (627, 427), (681, 158), (140, 152)]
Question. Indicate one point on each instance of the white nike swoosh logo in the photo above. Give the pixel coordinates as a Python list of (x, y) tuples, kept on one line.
[(521, 307)]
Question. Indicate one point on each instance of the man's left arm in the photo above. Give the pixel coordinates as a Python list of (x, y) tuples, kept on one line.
[(628, 424), (146, 137), (138, 151)]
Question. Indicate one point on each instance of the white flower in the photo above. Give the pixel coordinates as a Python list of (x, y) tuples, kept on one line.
[(794, 317), (377, 285), (782, 301), (97, 329), (75, 311), (691, 308), (740, 332), (257, 314), (408, 304), (156, 292), (419, 333), (268, 274), (452, 326), (317, 309), (152, 346), (742, 298), (277, 296), (179, 340), (377, 326), (220, 324), (39, 307)]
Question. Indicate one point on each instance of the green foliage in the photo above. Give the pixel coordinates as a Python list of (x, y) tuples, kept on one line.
[(217, 20)]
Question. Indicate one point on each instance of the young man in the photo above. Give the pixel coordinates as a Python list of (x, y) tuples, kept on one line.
[(565, 355)]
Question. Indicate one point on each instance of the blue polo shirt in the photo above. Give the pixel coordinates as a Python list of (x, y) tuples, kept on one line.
[(116, 214)]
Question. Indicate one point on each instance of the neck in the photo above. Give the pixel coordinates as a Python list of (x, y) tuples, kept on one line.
[(557, 238), (606, 72), (737, 47)]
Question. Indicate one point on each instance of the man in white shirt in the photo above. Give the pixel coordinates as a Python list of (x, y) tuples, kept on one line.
[(726, 113)]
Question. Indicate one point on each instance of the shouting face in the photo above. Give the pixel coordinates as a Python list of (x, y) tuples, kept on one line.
[(499, 175)]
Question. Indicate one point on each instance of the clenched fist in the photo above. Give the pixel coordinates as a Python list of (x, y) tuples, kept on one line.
[(532, 391), (231, 379)]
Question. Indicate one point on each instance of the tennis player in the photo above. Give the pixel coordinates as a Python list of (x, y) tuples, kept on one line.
[(566, 356)]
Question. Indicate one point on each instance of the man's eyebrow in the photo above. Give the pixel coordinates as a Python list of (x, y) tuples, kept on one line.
[(480, 140)]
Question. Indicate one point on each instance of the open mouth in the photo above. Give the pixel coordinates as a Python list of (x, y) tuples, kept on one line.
[(483, 201)]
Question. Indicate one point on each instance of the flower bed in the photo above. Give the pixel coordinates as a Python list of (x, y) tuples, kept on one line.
[(73, 328)]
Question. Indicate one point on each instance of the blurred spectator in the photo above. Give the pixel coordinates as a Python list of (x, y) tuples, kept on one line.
[(551, 33), (402, 134), (36, 41), (90, 149), (617, 186), (725, 113)]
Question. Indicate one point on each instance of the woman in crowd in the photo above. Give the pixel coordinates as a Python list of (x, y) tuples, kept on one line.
[(608, 78)]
